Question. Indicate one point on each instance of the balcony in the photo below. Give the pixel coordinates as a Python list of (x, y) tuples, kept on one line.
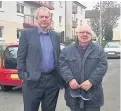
[(35, 2), (74, 9), (47, 4), (74, 24), (29, 21)]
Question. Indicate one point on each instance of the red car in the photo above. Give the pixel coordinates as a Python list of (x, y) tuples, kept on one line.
[(8, 63)]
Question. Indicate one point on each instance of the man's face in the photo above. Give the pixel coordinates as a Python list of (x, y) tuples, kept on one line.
[(44, 19), (85, 34)]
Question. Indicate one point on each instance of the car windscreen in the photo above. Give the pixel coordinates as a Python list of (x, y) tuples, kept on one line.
[(10, 56), (113, 45)]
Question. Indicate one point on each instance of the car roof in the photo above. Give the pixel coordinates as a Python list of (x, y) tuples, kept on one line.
[(4, 46), (10, 44), (13, 44)]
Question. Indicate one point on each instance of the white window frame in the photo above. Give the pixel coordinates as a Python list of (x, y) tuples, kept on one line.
[(20, 13), (1, 28)]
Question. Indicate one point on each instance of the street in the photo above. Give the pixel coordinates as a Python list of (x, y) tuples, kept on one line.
[(12, 101)]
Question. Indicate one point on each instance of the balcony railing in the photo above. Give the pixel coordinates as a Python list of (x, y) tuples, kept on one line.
[(47, 4), (74, 24), (35, 2), (29, 21)]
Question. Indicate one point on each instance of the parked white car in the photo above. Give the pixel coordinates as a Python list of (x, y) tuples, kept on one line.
[(62, 46), (113, 49)]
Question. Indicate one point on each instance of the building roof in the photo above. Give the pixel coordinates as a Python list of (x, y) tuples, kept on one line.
[(79, 4)]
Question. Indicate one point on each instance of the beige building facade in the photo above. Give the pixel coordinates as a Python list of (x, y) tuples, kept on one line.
[(9, 31), (116, 31), (17, 15)]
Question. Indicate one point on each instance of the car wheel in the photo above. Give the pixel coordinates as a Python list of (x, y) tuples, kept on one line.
[(6, 88)]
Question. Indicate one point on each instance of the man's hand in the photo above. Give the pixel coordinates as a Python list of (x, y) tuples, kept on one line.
[(86, 85), (73, 84)]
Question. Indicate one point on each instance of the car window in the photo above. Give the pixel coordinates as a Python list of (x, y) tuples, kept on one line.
[(113, 45), (11, 52)]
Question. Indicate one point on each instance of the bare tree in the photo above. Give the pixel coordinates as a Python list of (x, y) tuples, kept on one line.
[(110, 13)]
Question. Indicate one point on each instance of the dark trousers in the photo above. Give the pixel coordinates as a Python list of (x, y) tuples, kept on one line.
[(86, 109), (46, 92)]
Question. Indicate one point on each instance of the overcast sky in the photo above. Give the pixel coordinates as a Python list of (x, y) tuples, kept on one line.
[(89, 4)]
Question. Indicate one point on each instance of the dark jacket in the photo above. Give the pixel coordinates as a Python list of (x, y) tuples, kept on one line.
[(29, 56), (92, 67)]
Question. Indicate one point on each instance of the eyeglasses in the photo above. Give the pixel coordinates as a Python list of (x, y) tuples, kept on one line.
[(85, 95), (87, 33), (46, 17)]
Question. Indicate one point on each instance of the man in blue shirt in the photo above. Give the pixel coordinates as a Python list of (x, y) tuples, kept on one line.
[(37, 64)]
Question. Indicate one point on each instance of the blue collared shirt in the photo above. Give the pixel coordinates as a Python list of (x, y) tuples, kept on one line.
[(47, 63)]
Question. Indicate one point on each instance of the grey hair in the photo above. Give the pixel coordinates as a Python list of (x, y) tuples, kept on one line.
[(44, 9), (85, 24)]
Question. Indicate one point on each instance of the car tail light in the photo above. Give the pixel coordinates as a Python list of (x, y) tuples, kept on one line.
[(2, 62)]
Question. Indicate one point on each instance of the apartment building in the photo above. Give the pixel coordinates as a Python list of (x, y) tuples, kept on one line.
[(59, 18), (66, 17), (78, 16), (19, 15), (74, 16), (10, 21)]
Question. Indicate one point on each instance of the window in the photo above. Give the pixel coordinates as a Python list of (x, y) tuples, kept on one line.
[(20, 8), (113, 45), (52, 3), (81, 10), (11, 57), (1, 31), (80, 22), (11, 52), (76, 21), (1, 5), (74, 8), (18, 33), (52, 23), (60, 20), (51, 15), (60, 4)]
